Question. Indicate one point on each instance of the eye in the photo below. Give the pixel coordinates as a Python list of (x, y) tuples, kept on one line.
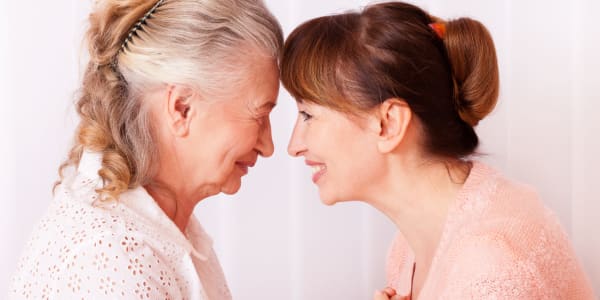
[(261, 119), (305, 116)]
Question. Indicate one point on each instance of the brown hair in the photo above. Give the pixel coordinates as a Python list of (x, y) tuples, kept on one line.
[(196, 43), (354, 61)]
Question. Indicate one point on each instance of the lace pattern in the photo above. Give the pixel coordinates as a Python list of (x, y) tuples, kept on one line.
[(85, 248)]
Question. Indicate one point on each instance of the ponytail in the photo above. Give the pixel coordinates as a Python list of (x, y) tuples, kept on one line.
[(104, 103)]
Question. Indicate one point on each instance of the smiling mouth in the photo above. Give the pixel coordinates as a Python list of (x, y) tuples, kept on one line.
[(317, 169)]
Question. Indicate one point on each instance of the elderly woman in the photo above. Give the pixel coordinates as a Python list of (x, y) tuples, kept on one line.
[(388, 99), (174, 108)]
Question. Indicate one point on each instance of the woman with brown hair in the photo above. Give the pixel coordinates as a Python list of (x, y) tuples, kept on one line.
[(174, 107), (388, 99)]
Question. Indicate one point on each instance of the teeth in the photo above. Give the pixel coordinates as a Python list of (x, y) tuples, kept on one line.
[(317, 169)]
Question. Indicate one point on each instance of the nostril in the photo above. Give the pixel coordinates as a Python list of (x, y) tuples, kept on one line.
[(294, 153)]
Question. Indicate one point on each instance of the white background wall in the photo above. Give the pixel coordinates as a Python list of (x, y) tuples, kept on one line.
[(274, 238)]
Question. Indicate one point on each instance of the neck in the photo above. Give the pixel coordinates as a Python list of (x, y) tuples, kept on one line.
[(416, 197), (177, 207), (172, 192), (175, 196)]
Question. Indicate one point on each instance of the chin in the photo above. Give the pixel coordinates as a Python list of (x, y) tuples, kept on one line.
[(231, 188), (328, 199), (230, 191), (328, 203), (331, 199)]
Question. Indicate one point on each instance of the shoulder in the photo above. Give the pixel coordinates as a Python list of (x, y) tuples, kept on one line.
[(502, 239), (79, 250), (489, 187), (511, 214), (502, 266), (106, 264), (514, 261), (495, 205)]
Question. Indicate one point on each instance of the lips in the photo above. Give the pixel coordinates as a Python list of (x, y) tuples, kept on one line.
[(318, 170), (244, 165)]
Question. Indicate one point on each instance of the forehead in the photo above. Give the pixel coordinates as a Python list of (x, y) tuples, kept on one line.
[(259, 86)]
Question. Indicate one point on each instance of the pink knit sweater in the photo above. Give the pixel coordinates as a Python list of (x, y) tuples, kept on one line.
[(499, 242)]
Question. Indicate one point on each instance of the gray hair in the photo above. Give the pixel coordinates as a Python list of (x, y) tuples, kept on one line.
[(137, 44)]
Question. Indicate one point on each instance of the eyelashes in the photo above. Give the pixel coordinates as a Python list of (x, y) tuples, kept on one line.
[(305, 116)]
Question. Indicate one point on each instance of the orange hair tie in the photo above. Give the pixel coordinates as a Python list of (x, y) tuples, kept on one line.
[(439, 28)]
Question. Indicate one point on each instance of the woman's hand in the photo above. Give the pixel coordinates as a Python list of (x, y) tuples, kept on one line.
[(388, 294)]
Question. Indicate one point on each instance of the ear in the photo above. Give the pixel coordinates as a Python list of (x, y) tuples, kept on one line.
[(179, 109), (394, 116)]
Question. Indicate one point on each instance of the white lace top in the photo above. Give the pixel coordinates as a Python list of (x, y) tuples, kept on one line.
[(127, 249)]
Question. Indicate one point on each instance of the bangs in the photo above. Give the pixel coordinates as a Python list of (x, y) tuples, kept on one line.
[(312, 57)]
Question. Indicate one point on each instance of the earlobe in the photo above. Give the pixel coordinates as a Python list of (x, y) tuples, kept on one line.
[(394, 118), (179, 108)]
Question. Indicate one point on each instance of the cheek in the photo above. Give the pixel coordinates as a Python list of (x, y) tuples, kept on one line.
[(356, 165), (209, 154), (236, 139), (235, 145), (239, 145)]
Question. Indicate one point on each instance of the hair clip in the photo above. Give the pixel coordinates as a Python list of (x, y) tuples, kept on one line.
[(439, 28), (139, 24)]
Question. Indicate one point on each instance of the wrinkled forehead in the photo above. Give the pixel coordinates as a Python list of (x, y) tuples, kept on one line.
[(261, 84), (257, 87)]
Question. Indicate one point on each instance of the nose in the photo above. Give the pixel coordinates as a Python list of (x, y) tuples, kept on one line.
[(296, 146), (265, 145)]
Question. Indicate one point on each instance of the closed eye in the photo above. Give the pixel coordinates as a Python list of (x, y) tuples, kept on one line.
[(263, 115), (262, 118)]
